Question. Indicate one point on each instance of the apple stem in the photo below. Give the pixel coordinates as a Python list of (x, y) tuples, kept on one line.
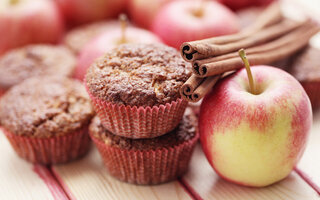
[(245, 60), (123, 21)]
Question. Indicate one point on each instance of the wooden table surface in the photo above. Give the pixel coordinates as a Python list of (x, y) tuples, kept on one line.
[(88, 179)]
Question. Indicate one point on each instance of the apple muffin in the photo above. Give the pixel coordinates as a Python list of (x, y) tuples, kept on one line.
[(46, 119), (306, 69), (34, 60), (135, 89), (147, 161)]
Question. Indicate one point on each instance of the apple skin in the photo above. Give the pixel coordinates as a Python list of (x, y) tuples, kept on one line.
[(240, 4), (84, 11), (105, 42), (78, 37), (143, 12), (29, 21), (176, 23), (255, 140)]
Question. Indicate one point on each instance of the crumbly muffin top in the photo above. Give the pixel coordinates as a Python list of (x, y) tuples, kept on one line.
[(45, 106), (185, 131), (138, 75), (34, 60), (306, 67), (77, 38)]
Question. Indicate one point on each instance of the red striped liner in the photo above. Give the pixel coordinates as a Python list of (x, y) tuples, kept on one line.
[(139, 122), (147, 167), (52, 150)]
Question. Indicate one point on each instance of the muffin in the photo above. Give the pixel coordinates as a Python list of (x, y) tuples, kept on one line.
[(306, 69), (34, 60), (147, 161), (77, 38), (135, 89), (46, 119)]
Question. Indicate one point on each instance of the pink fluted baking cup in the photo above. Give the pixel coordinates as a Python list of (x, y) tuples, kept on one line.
[(53, 150), (139, 122), (146, 167)]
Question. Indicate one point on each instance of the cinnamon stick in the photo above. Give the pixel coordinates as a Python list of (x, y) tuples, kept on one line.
[(190, 50), (204, 88), (273, 45), (261, 37), (271, 15), (200, 89), (190, 85), (214, 68)]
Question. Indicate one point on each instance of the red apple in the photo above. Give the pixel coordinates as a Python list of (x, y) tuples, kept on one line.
[(108, 40), (182, 21), (255, 139), (83, 11), (143, 12), (240, 4), (28, 21), (247, 16)]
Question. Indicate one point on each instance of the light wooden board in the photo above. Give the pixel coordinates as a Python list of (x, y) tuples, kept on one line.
[(310, 162), (208, 185), (87, 179), (18, 180)]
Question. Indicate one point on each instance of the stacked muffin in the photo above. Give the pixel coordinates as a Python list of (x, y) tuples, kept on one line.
[(141, 130)]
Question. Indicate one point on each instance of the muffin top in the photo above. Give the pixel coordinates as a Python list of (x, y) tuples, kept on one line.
[(45, 106), (80, 36), (306, 67), (33, 60), (185, 131), (138, 75)]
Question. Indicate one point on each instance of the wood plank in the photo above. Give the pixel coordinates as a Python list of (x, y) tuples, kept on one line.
[(87, 178), (18, 179), (202, 179), (310, 162)]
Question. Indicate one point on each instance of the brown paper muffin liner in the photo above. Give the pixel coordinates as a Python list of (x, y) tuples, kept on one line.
[(53, 150), (313, 91), (146, 167), (139, 122)]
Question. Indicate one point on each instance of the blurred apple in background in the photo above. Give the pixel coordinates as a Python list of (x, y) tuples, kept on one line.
[(83, 11), (240, 4), (78, 37), (248, 15), (143, 12), (28, 21), (182, 21), (255, 139), (108, 40)]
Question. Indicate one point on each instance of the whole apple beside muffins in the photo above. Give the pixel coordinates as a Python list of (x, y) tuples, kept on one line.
[(182, 21), (255, 139)]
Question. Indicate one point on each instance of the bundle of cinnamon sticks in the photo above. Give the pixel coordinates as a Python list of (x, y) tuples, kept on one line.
[(270, 38)]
